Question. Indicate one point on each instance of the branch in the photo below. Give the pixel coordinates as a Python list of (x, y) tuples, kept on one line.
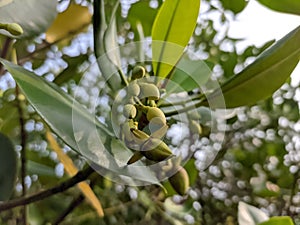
[(293, 193), (4, 52), (47, 45), (76, 202), (80, 176), (23, 152)]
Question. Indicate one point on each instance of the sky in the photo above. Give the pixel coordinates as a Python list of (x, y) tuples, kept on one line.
[(258, 24)]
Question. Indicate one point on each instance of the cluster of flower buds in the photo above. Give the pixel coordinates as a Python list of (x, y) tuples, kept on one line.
[(145, 126)]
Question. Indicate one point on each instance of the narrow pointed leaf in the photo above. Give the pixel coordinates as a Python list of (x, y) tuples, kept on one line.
[(141, 12), (106, 65), (188, 75), (73, 123), (264, 76), (8, 167), (111, 40), (235, 6), (52, 103), (171, 32), (278, 220), (286, 6)]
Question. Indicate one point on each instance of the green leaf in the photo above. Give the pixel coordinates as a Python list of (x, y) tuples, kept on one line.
[(142, 13), (8, 117), (111, 40), (139, 170), (188, 75), (106, 65), (287, 6), (235, 6), (72, 71), (52, 103), (250, 215), (34, 16), (8, 167), (278, 220), (264, 76), (171, 32), (74, 124), (40, 169)]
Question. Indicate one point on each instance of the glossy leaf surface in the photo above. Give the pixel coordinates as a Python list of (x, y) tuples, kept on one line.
[(101, 31), (111, 40), (286, 6), (188, 75), (74, 124), (52, 103), (278, 220), (141, 12), (171, 32), (235, 6), (264, 76)]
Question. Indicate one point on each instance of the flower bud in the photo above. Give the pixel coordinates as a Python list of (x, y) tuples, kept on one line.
[(125, 133), (139, 137), (149, 91), (195, 127), (135, 157), (129, 111), (180, 181), (133, 89), (138, 72), (156, 150), (13, 28), (154, 112), (194, 115)]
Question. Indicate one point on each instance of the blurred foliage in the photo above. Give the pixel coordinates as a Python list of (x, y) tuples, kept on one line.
[(257, 164)]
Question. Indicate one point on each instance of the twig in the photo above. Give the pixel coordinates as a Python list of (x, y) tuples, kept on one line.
[(293, 192), (80, 176), (76, 202), (48, 45), (23, 153), (4, 52)]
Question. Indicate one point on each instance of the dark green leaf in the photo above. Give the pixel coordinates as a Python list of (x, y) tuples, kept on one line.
[(139, 170), (263, 77), (188, 75), (8, 117), (190, 167), (53, 104), (74, 124), (111, 45), (71, 72), (235, 6), (141, 12), (171, 32), (40, 169), (278, 220), (108, 69), (286, 6), (34, 16), (8, 167)]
